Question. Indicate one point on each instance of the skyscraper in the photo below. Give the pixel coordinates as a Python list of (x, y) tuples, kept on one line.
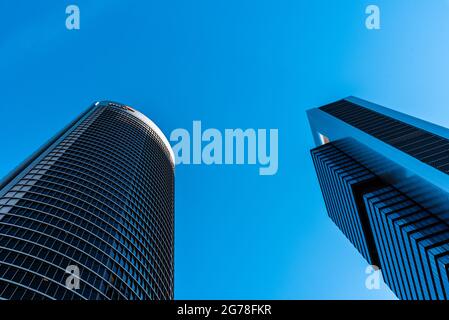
[(90, 215), (385, 183)]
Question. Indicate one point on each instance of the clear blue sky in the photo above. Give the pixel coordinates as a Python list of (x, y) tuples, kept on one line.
[(230, 64)]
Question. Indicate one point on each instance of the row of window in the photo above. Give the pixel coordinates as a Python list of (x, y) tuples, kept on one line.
[(97, 200)]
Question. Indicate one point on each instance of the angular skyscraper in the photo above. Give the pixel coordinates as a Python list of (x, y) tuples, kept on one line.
[(385, 181), (91, 214)]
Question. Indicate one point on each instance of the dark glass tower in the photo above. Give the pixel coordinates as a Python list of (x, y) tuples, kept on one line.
[(91, 214), (385, 181)]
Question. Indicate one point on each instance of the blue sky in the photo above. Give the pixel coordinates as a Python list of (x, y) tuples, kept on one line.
[(230, 64)]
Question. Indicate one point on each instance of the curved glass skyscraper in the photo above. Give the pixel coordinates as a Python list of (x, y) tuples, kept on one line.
[(91, 214)]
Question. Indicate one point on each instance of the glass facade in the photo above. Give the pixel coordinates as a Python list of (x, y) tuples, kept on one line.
[(385, 184), (341, 180), (98, 199), (406, 237)]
